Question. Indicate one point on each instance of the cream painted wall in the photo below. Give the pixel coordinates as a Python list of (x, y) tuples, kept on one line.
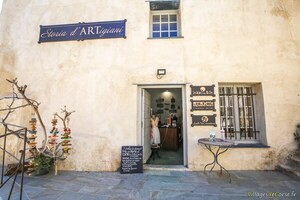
[(254, 41)]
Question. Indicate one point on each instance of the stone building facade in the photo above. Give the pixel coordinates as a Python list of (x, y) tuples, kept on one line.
[(249, 48)]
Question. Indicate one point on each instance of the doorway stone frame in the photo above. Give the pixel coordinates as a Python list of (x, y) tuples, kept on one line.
[(184, 114)]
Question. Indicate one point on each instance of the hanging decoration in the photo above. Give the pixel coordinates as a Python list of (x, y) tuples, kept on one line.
[(40, 158), (55, 150), (31, 144), (52, 141), (66, 137), (59, 150)]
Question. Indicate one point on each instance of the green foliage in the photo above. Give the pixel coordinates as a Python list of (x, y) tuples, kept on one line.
[(42, 163)]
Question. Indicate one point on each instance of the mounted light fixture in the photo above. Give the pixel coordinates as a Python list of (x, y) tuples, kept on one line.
[(160, 73)]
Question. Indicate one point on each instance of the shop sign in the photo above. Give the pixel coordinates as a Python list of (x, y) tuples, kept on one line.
[(132, 159), (203, 120), (204, 90), (203, 105), (82, 31)]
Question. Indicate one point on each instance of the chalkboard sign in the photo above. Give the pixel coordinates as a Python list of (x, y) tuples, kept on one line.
[(132, 159), (203, 120), (203, 90)]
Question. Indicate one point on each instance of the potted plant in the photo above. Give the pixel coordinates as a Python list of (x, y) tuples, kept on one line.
[(42, 164)]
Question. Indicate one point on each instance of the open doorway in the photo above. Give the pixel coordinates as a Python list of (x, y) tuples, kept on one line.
[(167, 104)]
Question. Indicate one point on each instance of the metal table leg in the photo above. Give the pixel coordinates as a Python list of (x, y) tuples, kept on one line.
[(212, 163), (215, 161)]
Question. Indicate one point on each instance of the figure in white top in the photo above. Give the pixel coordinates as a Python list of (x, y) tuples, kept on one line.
[(155, 135)]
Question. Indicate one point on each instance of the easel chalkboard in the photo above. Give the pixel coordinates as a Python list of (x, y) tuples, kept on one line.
[(132, 159)]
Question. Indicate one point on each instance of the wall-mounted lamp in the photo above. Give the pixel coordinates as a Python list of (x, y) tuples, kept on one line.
[(160, 73)]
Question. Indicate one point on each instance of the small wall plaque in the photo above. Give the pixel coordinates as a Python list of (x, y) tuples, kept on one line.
[(204, 90), (203, 120), (159, 111), (160, 105), (203, 105)]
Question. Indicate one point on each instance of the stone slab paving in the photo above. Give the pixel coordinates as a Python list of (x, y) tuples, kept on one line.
[(157, 184)]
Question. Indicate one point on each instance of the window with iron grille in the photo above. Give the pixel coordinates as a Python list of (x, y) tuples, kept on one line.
[(164, 25), (237, 113)]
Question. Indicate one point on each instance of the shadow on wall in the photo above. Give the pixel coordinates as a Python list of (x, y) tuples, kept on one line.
[(290, 148)]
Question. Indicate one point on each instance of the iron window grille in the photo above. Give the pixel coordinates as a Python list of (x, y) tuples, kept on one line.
[(237, 113)]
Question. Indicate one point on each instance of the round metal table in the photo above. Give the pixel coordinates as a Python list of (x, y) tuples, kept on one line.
[(222, 146)]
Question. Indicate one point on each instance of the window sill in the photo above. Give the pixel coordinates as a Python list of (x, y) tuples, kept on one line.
[(161, 38), (256, 145)]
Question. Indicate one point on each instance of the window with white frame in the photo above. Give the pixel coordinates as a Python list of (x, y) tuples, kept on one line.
[(237, 113), (164, 24)]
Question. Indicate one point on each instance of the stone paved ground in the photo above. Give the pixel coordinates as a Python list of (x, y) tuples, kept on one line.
[(153, 184)]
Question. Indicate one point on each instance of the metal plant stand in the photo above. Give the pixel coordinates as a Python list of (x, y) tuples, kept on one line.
[(222, 147), (20, 132)]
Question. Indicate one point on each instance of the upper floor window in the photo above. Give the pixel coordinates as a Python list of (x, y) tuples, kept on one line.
[(164, 18), (164, 25)]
